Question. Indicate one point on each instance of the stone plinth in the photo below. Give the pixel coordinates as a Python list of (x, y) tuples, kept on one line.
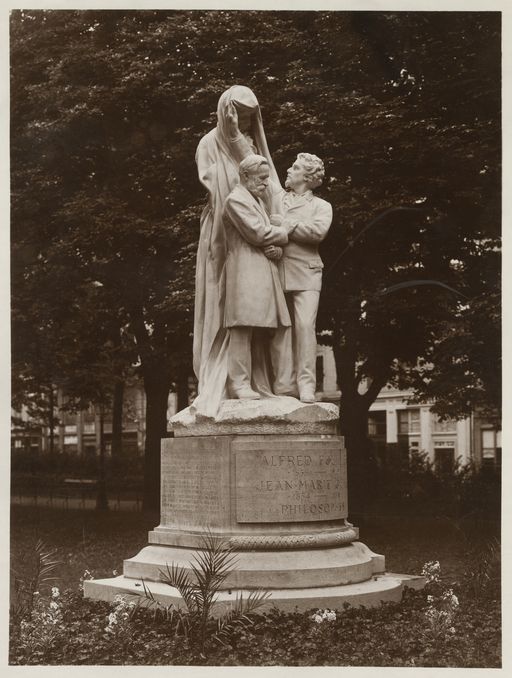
[(279, 497), (269, 490), (279, 414)]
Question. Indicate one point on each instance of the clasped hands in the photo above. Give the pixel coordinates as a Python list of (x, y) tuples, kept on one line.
[(273, 251)]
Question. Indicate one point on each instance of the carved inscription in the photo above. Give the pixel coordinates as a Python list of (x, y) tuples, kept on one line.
[(292, 487), (193, 492)]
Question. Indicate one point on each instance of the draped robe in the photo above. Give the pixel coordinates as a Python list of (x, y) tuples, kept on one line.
[(218, 157)]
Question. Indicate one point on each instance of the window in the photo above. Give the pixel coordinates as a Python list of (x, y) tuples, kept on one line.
[(414, 421), (403, 421), (491, 446), (377, 424), (409, 421)]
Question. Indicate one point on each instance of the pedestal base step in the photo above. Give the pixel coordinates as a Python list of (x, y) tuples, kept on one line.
[(301, 568), (380, 588)]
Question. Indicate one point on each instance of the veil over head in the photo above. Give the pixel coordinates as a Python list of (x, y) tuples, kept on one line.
[(218, 157), (241, 96)]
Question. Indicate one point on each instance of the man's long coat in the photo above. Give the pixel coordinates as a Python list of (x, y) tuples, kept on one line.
[(254, 297)]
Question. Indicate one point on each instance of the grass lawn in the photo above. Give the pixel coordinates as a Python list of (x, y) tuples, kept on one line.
[(84, 539), (393, 635)]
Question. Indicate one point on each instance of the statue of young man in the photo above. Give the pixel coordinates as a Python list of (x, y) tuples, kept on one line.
[(306, 218), (254, 297)]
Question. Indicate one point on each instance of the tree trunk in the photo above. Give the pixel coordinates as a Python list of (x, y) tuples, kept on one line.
[(354, 426), (51, 421), (117, 423), (157, 394), (101, 495), (354, 407)]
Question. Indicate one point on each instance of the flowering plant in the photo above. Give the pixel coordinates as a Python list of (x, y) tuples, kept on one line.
[(39, 632), (119, 619), (442, 604), (323, 615), (86, 576), (432, 571)]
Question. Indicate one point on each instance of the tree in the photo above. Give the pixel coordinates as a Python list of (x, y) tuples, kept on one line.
[(108, 108), (428, 137)]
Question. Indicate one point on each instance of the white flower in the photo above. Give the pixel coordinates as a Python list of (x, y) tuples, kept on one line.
[(55, 592), (431, 571), (430, 599), (54, 605), (86, 575), (451, 630), (323, 615)]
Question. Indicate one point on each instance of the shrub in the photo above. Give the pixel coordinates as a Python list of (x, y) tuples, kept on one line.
[(409, 483)]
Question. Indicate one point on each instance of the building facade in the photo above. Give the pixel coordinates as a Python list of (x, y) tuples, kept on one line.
[(417, 429), (79, 432)]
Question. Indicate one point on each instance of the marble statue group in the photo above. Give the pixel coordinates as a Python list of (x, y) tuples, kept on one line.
[(259, 273), (253, 460)]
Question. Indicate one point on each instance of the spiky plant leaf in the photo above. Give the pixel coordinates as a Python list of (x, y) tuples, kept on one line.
[(213, 564), (150, 601), (239, 615), (46, 564), (178, 578)]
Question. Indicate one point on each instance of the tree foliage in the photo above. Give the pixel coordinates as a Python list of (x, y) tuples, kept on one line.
[(404, 108)]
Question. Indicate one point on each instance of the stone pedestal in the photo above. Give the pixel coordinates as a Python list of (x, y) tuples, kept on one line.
[(268, 476)]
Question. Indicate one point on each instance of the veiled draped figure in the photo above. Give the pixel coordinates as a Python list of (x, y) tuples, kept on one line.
[(238, 133)]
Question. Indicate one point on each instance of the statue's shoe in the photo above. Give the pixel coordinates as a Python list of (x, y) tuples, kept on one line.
[(307, 397), (247, 394)]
